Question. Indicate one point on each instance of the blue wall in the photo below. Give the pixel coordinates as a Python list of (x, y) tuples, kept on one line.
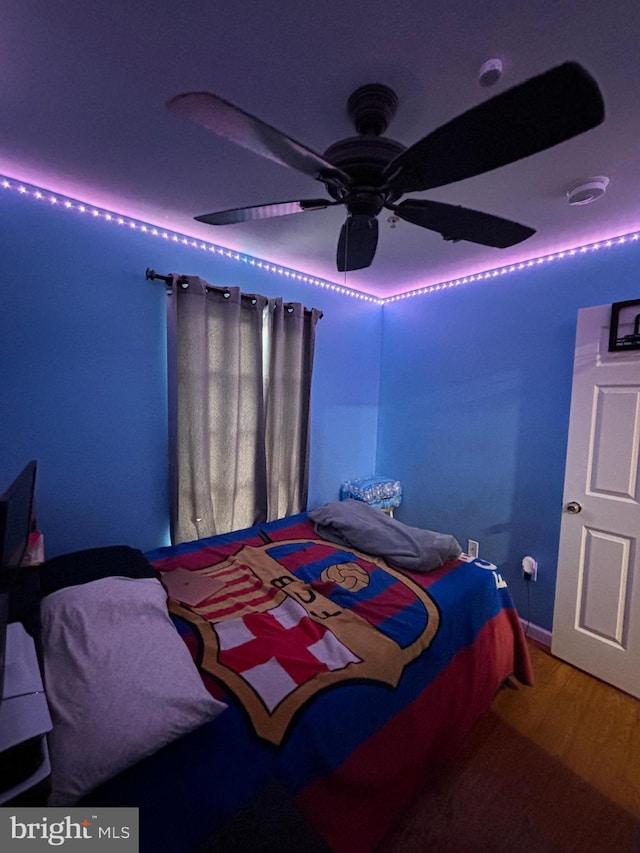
[(82, 372), (474, 407), (463, 395)]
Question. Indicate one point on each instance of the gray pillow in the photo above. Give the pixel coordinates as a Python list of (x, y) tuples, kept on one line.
[(120, 681)]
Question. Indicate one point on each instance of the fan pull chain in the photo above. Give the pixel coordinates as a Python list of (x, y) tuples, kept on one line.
[(346, 256)]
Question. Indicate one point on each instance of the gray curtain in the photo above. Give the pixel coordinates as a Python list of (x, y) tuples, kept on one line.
[(240, 369)]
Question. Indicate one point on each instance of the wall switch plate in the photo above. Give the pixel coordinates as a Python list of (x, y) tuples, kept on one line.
[(473, 548)]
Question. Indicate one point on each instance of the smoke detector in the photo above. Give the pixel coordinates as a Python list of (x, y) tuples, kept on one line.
[(490, 72), (587, 191)]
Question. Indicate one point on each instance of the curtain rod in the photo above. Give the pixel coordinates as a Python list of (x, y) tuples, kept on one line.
[(183, 280)]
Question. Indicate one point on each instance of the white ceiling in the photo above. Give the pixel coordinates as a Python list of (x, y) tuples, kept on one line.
[(83, 87)]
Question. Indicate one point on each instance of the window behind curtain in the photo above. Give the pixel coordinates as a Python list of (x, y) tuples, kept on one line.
[(240, 370)]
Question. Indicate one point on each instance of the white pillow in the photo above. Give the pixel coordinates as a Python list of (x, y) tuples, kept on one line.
[(120, 681)]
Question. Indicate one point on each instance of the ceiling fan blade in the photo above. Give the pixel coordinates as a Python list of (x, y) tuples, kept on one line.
[(357, 243), (264, 211), (230, 122), (460, 223), (536, 115)]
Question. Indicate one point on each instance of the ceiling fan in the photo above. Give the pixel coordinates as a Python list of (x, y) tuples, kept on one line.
[(369, 172)]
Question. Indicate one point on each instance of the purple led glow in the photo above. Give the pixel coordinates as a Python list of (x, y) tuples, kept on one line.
[(175, 237), (621, 240)]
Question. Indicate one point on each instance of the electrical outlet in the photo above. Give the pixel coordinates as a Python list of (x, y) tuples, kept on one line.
[(473, 548), (529, 569)]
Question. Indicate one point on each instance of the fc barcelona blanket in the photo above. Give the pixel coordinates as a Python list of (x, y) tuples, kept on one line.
[(347, 681)]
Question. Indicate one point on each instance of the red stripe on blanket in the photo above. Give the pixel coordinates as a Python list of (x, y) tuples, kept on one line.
[(425, 579), (355, 806), (389, 602), (212, 554)]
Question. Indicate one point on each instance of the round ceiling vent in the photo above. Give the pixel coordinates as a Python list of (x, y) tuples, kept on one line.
[(588, 191)]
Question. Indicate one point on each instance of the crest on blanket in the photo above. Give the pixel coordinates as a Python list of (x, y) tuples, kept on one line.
[(298, 616)]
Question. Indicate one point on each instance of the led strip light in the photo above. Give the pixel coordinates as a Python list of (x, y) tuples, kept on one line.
[(67, 203), (633, 236)]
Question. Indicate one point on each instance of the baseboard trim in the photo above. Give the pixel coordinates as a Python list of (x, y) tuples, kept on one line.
[(536, 632)]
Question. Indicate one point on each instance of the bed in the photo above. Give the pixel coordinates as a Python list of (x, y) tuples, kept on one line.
[(330, 683)]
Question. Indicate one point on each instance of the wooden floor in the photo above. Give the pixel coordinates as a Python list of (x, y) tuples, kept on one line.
[(589, 726), (554, 768)]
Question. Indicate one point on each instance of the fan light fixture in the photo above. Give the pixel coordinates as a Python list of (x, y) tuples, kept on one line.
[(588, 191)]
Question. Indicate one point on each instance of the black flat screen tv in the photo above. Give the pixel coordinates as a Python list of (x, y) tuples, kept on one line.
[(16, 519)]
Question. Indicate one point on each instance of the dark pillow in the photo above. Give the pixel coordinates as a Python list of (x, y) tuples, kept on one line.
[(93, 564), (34, 582)]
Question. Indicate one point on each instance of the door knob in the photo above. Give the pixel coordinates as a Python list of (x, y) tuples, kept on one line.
[(574, 507)]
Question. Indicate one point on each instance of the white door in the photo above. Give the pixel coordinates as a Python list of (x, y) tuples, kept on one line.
[(596, 623)]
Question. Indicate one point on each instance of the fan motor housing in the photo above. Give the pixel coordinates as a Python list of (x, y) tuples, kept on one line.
[(372, 107), (363, 158)]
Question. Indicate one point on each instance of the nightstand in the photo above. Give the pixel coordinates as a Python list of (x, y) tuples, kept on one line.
[(24, 719)]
